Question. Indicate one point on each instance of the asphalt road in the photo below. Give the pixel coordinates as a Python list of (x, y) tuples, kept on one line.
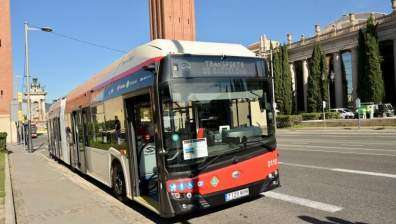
[(336, 176), (332, 176)]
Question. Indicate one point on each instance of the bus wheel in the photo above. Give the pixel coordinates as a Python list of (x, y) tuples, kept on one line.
[(118, 182)]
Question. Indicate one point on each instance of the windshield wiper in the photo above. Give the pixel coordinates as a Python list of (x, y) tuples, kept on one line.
[(242, 146), (205, 165)]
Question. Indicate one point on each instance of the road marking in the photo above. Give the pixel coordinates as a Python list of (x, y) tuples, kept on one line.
[(303, 202), (353, 145), (341, 170), (331, 141), (327, 151), (336, 147), (365, 173), (342, 134), (304, 166)]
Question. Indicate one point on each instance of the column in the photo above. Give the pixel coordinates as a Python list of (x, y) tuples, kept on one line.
[(293, 76), (354, 53), (338, 80), (305, 77), (294, 84), (394, 59), (43, 109)]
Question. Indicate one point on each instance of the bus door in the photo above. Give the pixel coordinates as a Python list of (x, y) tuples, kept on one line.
[(78, 151), (143, 154), (51, 137)]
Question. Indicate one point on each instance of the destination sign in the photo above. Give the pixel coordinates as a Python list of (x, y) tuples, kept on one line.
[(214, 67)]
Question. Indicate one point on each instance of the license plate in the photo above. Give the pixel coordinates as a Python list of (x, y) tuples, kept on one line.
[(237, 194)]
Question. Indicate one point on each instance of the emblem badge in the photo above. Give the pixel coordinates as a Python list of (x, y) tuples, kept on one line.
[(236, 174), (200, 183), (215, 181)]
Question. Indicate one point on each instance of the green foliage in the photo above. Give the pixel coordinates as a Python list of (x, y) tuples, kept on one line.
[(3, 141), (283, 121), (311, 116), (374, 73), (314, 93), (344, 84), (278, 86), (287, 83), (317, 80), (2, 175), (362, 66), (370, 80), (331, 115), (283, 81), (319, 116), (324, 84)]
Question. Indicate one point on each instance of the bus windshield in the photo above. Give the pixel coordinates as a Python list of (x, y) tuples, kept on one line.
[(203, 118)]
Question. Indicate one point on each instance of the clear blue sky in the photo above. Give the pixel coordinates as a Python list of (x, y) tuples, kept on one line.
[(61, 64)]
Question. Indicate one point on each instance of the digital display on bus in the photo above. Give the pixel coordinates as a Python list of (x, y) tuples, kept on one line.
[(216, 66)]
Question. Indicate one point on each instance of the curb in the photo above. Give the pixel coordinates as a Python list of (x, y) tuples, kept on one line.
[(10, 216)]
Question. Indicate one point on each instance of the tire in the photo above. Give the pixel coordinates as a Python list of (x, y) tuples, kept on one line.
[(118, 182)]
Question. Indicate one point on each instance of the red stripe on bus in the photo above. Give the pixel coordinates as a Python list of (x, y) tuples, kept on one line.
[(250, 171)]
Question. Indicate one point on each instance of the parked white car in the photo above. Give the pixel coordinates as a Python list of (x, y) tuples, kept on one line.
[(345, 113)]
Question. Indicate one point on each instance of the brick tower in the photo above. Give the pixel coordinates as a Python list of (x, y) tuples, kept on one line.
[(5, 68), (172, 19)]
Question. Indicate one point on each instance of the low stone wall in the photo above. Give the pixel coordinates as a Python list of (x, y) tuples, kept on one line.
[(7, 126), (351, 122)]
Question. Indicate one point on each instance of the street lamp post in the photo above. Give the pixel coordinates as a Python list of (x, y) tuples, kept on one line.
[(27, 76)]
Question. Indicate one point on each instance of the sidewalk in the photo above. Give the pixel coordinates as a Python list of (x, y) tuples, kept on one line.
[(47, 192)]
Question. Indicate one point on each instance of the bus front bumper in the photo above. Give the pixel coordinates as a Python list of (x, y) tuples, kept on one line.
[(196, 202)]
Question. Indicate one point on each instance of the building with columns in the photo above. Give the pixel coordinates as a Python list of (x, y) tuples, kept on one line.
[(38, 105), (339, 42)]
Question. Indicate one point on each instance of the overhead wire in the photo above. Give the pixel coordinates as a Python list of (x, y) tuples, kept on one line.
[(88, 42), (82, 41)]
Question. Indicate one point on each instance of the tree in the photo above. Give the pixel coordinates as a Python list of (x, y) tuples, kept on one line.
[(286, 82), (362, 67), (324, 84), (370, 80), (278, 73), (344, 84), (314, 98)]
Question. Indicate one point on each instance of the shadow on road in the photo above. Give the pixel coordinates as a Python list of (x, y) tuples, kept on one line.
[(185, 218), (41, 146), (157, 219), (330, 220)]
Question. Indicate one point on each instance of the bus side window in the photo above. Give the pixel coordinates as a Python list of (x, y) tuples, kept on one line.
[(115, 135)]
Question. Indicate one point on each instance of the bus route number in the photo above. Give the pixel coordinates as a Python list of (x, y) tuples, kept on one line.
[(272, 162)]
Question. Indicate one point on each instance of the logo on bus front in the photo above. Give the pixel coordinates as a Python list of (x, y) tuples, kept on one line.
[(215, 181), (236, 174)]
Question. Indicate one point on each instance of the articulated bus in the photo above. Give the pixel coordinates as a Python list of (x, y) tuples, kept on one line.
[(176, 126)]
